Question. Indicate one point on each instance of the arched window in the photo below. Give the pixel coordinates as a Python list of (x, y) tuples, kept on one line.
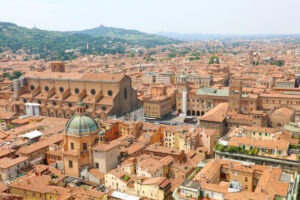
[(97, 165), (84, 146), (70, 164), (188, 113), (72, 145), (125, 93)]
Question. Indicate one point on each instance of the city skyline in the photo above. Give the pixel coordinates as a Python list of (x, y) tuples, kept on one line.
[(213, 17)]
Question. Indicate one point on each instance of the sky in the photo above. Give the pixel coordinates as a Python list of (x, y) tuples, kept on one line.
[(152, 16)]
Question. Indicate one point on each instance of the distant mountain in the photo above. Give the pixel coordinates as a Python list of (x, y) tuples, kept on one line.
[(190, 37), (53, 44), (132, 36), (202, 37)]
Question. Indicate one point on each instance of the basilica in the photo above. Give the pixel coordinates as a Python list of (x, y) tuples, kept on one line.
[(56, 93)]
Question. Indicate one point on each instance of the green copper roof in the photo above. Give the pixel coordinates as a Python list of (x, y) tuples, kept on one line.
[(79, 124), (80, 103)]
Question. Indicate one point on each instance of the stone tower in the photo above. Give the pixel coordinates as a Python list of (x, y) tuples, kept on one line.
[(235, 96), (251, 57)]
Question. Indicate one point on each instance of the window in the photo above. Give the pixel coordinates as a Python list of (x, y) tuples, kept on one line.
[(76, 91), (93, 91), (103, 108), (61, 89), (109, 93), (84, 146), (97, 165), (39, 102), (46, 88), (70, 105), (54, 103), (24, 100), (70, 164), (72, 146), (259, 134), (246, 179), (32, 87), (266, 134), (272, 151), (125, 93), (279, 152)]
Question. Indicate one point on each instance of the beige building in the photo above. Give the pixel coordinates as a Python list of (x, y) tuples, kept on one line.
[(81, 133), (159, 103), (118, 179), (57, 93), (152, 188), (222, 179)]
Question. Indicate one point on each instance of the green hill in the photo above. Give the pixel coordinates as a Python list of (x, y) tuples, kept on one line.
[(132, 36), (52, 45)]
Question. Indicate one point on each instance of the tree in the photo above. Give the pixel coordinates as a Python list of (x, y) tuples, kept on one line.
[(232, 149), (278, 63), (214, 59)]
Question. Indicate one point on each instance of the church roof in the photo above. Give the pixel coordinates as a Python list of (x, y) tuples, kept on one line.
[(81, 124)]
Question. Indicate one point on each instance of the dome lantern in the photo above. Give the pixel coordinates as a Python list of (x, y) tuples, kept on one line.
[(80, 107)]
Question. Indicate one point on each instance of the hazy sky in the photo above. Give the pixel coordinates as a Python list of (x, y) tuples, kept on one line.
[(184, 16)]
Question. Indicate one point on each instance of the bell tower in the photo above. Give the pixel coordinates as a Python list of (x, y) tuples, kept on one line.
[(235, 96)]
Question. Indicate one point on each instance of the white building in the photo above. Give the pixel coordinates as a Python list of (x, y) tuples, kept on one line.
[(10, 168), (105, 156)]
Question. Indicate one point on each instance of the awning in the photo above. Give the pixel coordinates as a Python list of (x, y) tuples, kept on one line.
[(32, 134)]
